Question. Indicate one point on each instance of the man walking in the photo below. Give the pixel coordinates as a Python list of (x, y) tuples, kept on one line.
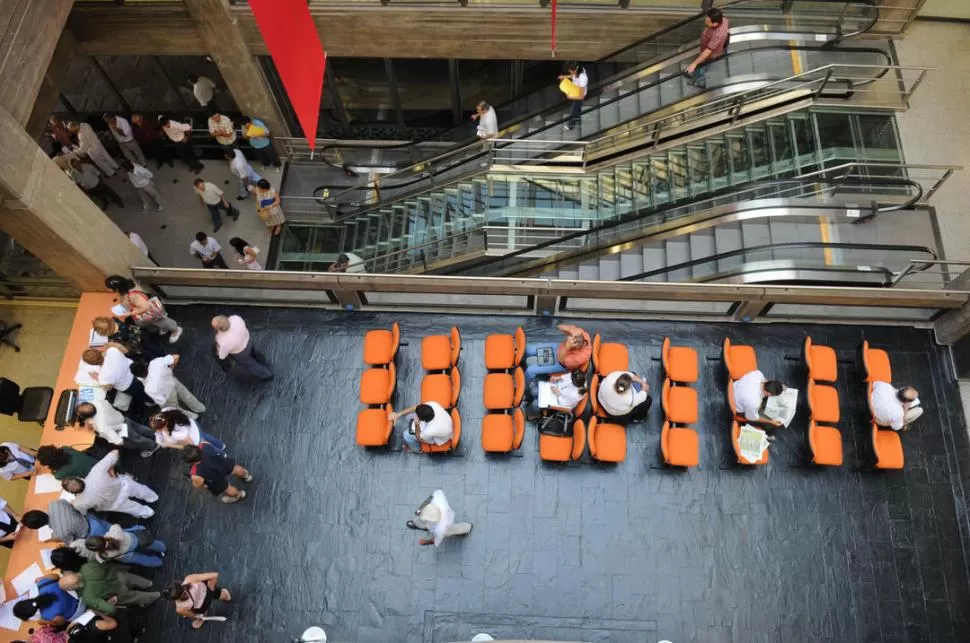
[(203, 89), (214, 200), (487, 120), (232, 338), (179, 134), (257, 133), (435, 515), (141, 179), (714, 42), (162, 386), (211, 468), (88, 178), (104, 587), (208, 250), (121, 130), (106, 490), (243, 170)]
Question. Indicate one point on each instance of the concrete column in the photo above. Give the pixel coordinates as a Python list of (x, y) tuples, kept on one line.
[(221, 35), (51, 217), (50, 89)]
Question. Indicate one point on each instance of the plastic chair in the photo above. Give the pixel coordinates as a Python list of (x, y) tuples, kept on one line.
[(679, 446), (554, 448), (735, 442), (609, 357), (876, 363), (740, 360), (374, 427), (440, 352), (377, 385), (679, 362), (443, 388), (821, 362), (504, 352), (607, 441), (823, 402), (887, 447), (825, 444), (679, 403), (502, 432), (380, 346)]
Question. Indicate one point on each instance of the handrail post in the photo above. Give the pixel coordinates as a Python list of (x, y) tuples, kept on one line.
[(905, 272), (919, 79), (825, 81), (938, 185)]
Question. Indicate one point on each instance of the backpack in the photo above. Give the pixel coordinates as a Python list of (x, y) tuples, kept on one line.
[(557, 423)]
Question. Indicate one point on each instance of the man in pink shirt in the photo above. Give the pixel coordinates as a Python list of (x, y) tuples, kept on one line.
[(714, 42), (232, 339)]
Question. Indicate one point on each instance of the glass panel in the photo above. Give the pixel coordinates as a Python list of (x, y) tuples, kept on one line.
[(647, 306), (784, 163), (805, 144), (717, 149), (851, 312), (740, 158)]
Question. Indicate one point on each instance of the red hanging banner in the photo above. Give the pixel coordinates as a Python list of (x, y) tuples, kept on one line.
[(294, 43), (553, 27)]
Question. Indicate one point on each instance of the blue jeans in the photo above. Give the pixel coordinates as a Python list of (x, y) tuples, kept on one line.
[(409, 438), (140, 558), (96, 526), (575, 112), (699, 77), (214, 212), (214, 441), (532, 370)]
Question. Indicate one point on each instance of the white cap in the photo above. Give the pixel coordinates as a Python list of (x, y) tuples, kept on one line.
[(482, 637), (314, 635)]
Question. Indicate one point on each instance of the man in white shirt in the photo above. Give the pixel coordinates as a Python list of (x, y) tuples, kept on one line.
[(625, 396), (179, 134), (121, 130), (214, 200), (164, 388), (233, 339), (105, 490), (140, 178), (577, 76), (202, 88), (116, 373), (90, 145), (9, 522), (222, 129), (750, 392), (140, 244), (115, 428), (16, 462), (895, 408), (239, 165), (208, 250), (429, 424), (488, 123), (436, 515)]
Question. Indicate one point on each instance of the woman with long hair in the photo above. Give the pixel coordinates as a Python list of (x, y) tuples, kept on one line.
[(142, 308), (195, 594), (268, 206), (174, 430), (51, 606), (247, 253)]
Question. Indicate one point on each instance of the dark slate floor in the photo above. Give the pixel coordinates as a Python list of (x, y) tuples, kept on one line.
[(580, 552)]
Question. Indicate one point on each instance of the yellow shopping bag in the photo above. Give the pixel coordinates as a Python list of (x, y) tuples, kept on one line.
[(570, 89)]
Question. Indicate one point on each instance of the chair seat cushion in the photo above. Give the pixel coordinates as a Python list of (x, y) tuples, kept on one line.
[(879, 369), (826, 444), (824, 365), (610, 440), (612, 357), (743, 361), (436, 448), (499, 391), (683, 447), (35, 403), (890, 450), (499, 352), (555, 449), (378, 347), (682, 364), (497, 433), (683, 405), (373, 428), (375, 386), (436, 353), (825, 404), (436, 388)]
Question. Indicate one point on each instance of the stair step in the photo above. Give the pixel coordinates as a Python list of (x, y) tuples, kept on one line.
[(654, 256), (678, 251), (609, 268), (631, 262), (701, 246), (589, 271)]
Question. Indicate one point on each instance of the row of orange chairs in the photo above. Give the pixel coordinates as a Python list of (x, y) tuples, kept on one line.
[(886, 445), (377, 385), (679, 444), (503, 426), (442, 381)]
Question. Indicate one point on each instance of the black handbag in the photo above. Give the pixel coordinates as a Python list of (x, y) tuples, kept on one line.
[(558, 424)]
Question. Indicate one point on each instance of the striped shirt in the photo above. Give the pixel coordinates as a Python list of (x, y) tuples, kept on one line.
[(716, 38)]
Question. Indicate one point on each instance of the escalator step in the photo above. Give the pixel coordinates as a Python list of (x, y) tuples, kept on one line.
[(727, 237), (589, 271), (701, 246), (631, 262), (654, 256), (609, 268), (678, 251)]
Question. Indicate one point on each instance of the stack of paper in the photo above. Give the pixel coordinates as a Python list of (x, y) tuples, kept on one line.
[(752, 443), (782, 407)]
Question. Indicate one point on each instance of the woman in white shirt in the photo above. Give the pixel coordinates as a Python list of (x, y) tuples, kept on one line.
[(247, 253), (569, 389), (577, 76), (16, 462), (488, 125), (174, 430), (625, 396)]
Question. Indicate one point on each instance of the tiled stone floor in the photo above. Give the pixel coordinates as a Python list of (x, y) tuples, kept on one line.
[(583, 552)]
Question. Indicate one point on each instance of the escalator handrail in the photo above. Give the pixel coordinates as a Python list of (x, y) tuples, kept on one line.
[(780, 246)]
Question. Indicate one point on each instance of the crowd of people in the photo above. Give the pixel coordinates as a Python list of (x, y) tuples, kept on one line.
[(134, 406)]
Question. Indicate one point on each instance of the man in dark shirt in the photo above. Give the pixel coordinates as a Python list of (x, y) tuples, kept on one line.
[(211, 469), (714, 42)]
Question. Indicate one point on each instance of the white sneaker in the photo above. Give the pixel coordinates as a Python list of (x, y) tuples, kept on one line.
[(230, 499), (174, 336)]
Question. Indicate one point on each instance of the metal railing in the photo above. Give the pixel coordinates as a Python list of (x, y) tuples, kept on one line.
[(936, 270)]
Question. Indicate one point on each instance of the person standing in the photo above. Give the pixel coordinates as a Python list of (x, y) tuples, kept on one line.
[(208, 250), (214, 200), (132, 548), (436, 516), (268, 207), (223, 130), (257, 133), (195, 595), (103, 489), (104, 587), (243, 170), (211, 468), (141, 245), (714, 42), (90, 145), (203, 89), (147, 135), (121, 130), (88, 178), (577, 76), (141, 179), (69, 525), (233, 339), (65, 462), (60, 137), (179, 134), (174, 429), (144, 310), (247, 253), (9, 522), (162, 386), (487, 121), (116, 373), (50, 604), (116, 429), (16, 462)]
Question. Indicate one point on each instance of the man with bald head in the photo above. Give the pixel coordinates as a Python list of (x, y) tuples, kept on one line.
[(894, 407), (233, 341)]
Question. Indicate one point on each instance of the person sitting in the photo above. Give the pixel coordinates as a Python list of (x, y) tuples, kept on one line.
[(570, 355), (429, 424), (16, 462), (624, 396), (569, 389), (894, 407), (751, 393), (129, 336), (51, 606)]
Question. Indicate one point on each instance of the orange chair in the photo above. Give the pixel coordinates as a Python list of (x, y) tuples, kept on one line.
[(876, 363), (607, 441), (374, 427), (679, 403), (740, 360), (730, 400), (442, 388), (825, 443), (609, 357), (380, 346), (736, 443), (823, 402), (504, 390), (504, 352), (440, 352), (821, 362), (502, 432), (679, 362), (554, 448), (455, 438), (679, 446), (887, 447), (580, 408), (377, 385), (594, 388)]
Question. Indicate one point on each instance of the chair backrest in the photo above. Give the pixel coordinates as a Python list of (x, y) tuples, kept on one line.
[(594, 387), (665, 395), (579, 439), (455, 345), (455, 385), (665, 354), (519, 344), (591, 435), (596, 352), (872, 414), (581, 405), (807, 351), (875, 442), (865, 358), (811, 396), (730, 397), (392, 379), (395, 339), (518, 428), (664, 434), (735, 437), (518, 377), (726, 352), (456, 436)]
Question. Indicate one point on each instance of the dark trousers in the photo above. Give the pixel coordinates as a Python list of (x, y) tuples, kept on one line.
[(216, 262), (216, 217), (103, 193), (187, 154), (575, 112), (267, 156), (248, 361), (159, 151), (638, 413), (139, 438), (139, 398)]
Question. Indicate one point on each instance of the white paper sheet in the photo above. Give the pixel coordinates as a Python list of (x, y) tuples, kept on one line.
[(782, 407), (752, 443), (7, 620), (45, 533), (45, 556), (25, 579), (46, 483), (546, 397)]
